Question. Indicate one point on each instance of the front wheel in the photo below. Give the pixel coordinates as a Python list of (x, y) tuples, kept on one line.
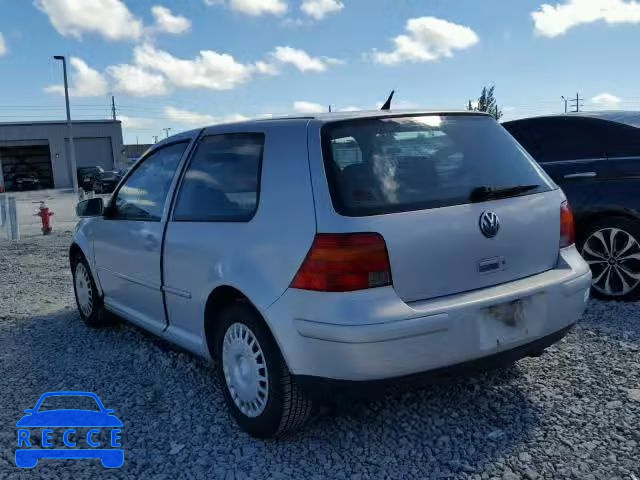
[(611, 247), (88, 300), (259, 390)]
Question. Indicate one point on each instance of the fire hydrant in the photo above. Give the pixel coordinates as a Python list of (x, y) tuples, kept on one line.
[(45, 215)]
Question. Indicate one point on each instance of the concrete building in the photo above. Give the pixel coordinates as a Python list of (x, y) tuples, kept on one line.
[(41, 149)]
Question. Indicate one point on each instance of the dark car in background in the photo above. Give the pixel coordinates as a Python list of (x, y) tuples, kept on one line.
[(22, 182), (87, 176), (106, 181), (595, 158)]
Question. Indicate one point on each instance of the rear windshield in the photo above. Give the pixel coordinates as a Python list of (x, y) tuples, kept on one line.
[(386, 165)]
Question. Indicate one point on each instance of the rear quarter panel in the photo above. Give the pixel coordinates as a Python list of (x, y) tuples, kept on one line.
[(259, 257)]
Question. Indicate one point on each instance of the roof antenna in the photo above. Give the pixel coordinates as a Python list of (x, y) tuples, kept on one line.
[(387, 104)]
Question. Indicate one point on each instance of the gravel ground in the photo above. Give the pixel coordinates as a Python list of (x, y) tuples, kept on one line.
[(572, 413)]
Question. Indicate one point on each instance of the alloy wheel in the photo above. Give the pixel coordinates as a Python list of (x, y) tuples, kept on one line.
[(614, 257)]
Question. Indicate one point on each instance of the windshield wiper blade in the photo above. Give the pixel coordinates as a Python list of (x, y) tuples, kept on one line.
[(487, 192)]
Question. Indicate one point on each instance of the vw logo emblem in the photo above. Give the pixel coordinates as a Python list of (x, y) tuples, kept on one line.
[(489, 224)]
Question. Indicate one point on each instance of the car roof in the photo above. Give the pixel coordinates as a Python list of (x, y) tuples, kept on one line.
[(321, 117), (627, 117), (358, 114)]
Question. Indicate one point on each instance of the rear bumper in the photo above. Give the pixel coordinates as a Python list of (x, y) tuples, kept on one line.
[(325, 389), (374, 335)]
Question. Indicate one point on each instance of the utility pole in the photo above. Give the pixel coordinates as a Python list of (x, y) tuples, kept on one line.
[(72, 149), (166, 131), (565, 103), (577, 103), (113, 107)]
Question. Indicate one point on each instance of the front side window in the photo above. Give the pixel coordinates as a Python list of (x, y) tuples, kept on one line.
[(385, 165), (143, 195), (222, 181)]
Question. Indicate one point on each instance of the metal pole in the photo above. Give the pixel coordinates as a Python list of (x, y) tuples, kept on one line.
[(72, 149), (113, 107), (13, 219)]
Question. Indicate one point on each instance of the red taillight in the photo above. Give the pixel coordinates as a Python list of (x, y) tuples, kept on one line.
[(345, 262), (567, 229)]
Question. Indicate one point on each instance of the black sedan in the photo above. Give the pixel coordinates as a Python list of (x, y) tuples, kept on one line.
[(26, 182), (106, 182), (595, 158)]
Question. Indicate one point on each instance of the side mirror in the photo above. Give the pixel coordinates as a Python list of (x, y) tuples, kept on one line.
[(29, 410), (92, 207), (109, 411)]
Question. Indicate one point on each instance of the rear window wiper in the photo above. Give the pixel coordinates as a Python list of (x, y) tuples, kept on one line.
[(487, 192)]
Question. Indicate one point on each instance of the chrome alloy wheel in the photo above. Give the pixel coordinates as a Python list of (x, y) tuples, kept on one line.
[(245, 370), (84, 291), (614, 257)]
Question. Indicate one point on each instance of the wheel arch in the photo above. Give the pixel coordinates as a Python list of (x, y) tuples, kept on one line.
[(586, 219), (76, 248), (219, 298)]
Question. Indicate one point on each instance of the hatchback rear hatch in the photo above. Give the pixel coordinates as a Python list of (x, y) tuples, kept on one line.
[(458, 202)]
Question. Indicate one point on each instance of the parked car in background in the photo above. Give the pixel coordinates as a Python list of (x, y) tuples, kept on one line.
[(335, 250), (106, 182), (23, 182), (595, 158), (87, 176)]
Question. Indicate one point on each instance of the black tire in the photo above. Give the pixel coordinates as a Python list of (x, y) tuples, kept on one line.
[(616, 290), (287, 408), (97, 317)]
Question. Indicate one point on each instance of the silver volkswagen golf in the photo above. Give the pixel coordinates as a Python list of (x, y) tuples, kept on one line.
[(304, 254)]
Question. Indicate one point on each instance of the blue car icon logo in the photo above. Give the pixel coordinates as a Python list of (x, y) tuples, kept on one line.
[(83, 430)]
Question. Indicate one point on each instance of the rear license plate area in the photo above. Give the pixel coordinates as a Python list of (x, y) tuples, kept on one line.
[(510, 322)]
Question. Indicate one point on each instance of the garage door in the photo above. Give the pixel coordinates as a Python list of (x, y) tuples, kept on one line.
[(92, 152), (31, 160)]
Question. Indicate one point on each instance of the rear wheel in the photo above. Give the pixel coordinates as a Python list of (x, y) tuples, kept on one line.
[(611, 247), (88, 300), (258, 388)]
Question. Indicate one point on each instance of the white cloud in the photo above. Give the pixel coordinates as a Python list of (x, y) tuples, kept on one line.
[(308, 107), (3, 45), (85, 81), (168, 22), (253, 7), (188, 117), (109, 18), (212, 70), (427, 40), (606, 100), (136, 81), (551, 21), (266, 68), (318, 9), (302, 60), (136, 122)]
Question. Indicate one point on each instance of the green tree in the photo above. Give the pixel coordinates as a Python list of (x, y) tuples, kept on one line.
[(487, 103)]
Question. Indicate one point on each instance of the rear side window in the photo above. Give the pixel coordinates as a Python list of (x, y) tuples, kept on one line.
[(378, 166), (222, 182), (620, 140), (560, 138)]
